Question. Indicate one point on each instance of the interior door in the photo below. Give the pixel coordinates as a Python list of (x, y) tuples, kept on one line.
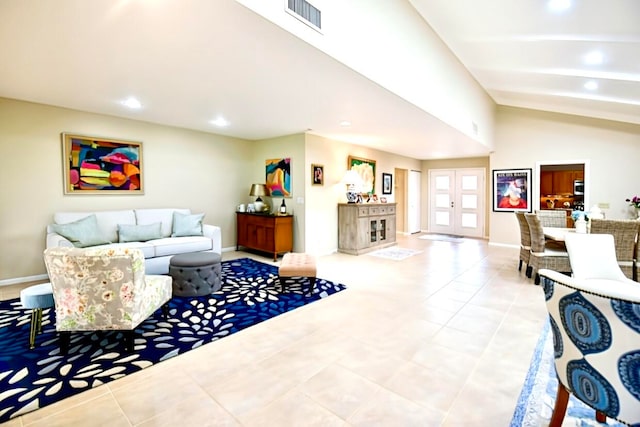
[(457, 201), (413, 199)]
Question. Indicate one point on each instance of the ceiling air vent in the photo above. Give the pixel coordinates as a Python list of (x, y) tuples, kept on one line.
[(306, 12)]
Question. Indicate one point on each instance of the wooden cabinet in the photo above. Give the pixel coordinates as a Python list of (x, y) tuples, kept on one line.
[(365, 227), (558, 182), (266, 233)]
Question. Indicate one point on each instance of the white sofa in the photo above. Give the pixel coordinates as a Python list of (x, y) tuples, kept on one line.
[(158, 246)]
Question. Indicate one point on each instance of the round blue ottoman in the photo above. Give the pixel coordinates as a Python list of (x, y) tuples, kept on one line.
[(37, 298), (195, 274)]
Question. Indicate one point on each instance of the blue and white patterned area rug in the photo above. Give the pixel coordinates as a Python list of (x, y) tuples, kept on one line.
[(538, 395), (32, 379)]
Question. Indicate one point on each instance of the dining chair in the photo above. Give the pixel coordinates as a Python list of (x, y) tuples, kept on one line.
[(544, 255), (552, 218), (596, 342), (625, 235), (593, 256), (525, 243)]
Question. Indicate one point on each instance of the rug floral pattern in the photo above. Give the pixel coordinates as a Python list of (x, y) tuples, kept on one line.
[(31, 379)]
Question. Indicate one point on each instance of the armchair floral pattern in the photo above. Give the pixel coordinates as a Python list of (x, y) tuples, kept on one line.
[(103, 288)]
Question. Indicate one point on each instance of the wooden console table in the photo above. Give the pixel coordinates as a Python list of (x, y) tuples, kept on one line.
[(366, 227), (264, 232)]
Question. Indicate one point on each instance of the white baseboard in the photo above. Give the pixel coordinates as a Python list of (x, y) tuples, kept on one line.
[(17, 280)]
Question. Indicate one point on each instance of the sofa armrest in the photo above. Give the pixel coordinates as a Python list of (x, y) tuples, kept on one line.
[(215, 234), (55, 240)]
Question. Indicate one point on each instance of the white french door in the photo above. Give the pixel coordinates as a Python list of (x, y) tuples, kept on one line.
[(413, 199), (456, 201)]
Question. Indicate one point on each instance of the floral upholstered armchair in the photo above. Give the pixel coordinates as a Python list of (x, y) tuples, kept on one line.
[(103, 289)]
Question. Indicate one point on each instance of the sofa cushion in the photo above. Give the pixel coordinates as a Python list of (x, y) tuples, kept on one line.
[(82, 232), (187, 225), (147, 249), (139, 233), (180, 245), (107, 220), (163, 215)]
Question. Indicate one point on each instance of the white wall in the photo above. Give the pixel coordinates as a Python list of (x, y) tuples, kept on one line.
[(391, 44), (182, 168), (524, 137)]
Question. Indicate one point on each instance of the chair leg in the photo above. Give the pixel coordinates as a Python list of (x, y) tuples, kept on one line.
[(312, 284), (562, 398), (537, 279), (165, 310), (65, 339), (128, 340), (35, 326), (520, 265), (529, 271)]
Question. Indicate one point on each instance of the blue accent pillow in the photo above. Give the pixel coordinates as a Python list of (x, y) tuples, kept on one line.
[(82, 233), (187, 225), (139, 233)]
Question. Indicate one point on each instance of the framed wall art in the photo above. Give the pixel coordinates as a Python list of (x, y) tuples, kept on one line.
[(387, 180), (317, 174), (367, 170), (93, 165), (512, 190), (278, 177)]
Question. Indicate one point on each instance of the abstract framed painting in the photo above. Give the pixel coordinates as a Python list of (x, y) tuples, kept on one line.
[(278, 177), (512, 190), (367, 170), (93, 165)]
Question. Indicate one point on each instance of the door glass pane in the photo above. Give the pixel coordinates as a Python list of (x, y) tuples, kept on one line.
[(383, 229), (469, 182), (469, 220), (442, 218), (469, 201), (442, 201), (442, 183)]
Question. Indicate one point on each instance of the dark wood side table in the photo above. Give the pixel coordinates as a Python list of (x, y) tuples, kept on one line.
[(264, 232)]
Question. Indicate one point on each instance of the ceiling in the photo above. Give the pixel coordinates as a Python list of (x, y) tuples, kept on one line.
[(189, 68)]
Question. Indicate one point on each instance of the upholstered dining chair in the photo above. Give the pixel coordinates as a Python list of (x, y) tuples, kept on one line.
[(596, 340), (525, 243), (103, 289), (625, 235), (552, 218), (544, 255), (593, 256)]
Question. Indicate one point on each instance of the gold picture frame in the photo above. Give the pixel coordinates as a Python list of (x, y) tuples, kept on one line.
[(93, 165), (366, 168), (317, 174)]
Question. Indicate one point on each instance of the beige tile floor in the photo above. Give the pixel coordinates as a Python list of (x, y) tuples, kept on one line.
[(443, 338)]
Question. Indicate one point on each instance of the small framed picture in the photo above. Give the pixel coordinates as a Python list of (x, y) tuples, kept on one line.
[(512, 190), (383, 200), (386, 183), (317, 174)]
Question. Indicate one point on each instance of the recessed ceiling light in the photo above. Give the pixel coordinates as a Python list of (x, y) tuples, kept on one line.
[(220, 122), (591, 85), (594, 58), (345, 123), (132, 103), (558, 5)]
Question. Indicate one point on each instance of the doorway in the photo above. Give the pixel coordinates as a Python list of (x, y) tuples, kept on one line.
[(413, 202), (456, 201), (556, 187)]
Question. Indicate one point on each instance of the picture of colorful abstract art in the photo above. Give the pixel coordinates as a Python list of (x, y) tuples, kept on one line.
[(98, 165), (278, 177)]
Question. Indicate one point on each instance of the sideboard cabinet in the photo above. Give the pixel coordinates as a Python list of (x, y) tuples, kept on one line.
[(366, 227), (266, 233)]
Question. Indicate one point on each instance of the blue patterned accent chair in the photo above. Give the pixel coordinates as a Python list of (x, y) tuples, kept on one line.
[(596, 340), (101, 288)]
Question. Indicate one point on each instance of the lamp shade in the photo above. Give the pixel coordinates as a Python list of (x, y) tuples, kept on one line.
[(258, 190)]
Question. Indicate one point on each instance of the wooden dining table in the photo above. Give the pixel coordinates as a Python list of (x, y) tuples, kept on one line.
[(557, 233)]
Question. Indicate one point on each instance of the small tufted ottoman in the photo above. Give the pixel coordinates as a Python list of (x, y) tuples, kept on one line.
[(36, 297), (195, 274), (298, 265)]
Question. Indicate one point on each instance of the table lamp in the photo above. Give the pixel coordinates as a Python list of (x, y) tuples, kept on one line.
[(353, 181), (258, 190)]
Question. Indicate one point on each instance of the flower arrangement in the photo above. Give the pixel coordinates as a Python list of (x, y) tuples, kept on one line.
[(576, 215), (635, 202)]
